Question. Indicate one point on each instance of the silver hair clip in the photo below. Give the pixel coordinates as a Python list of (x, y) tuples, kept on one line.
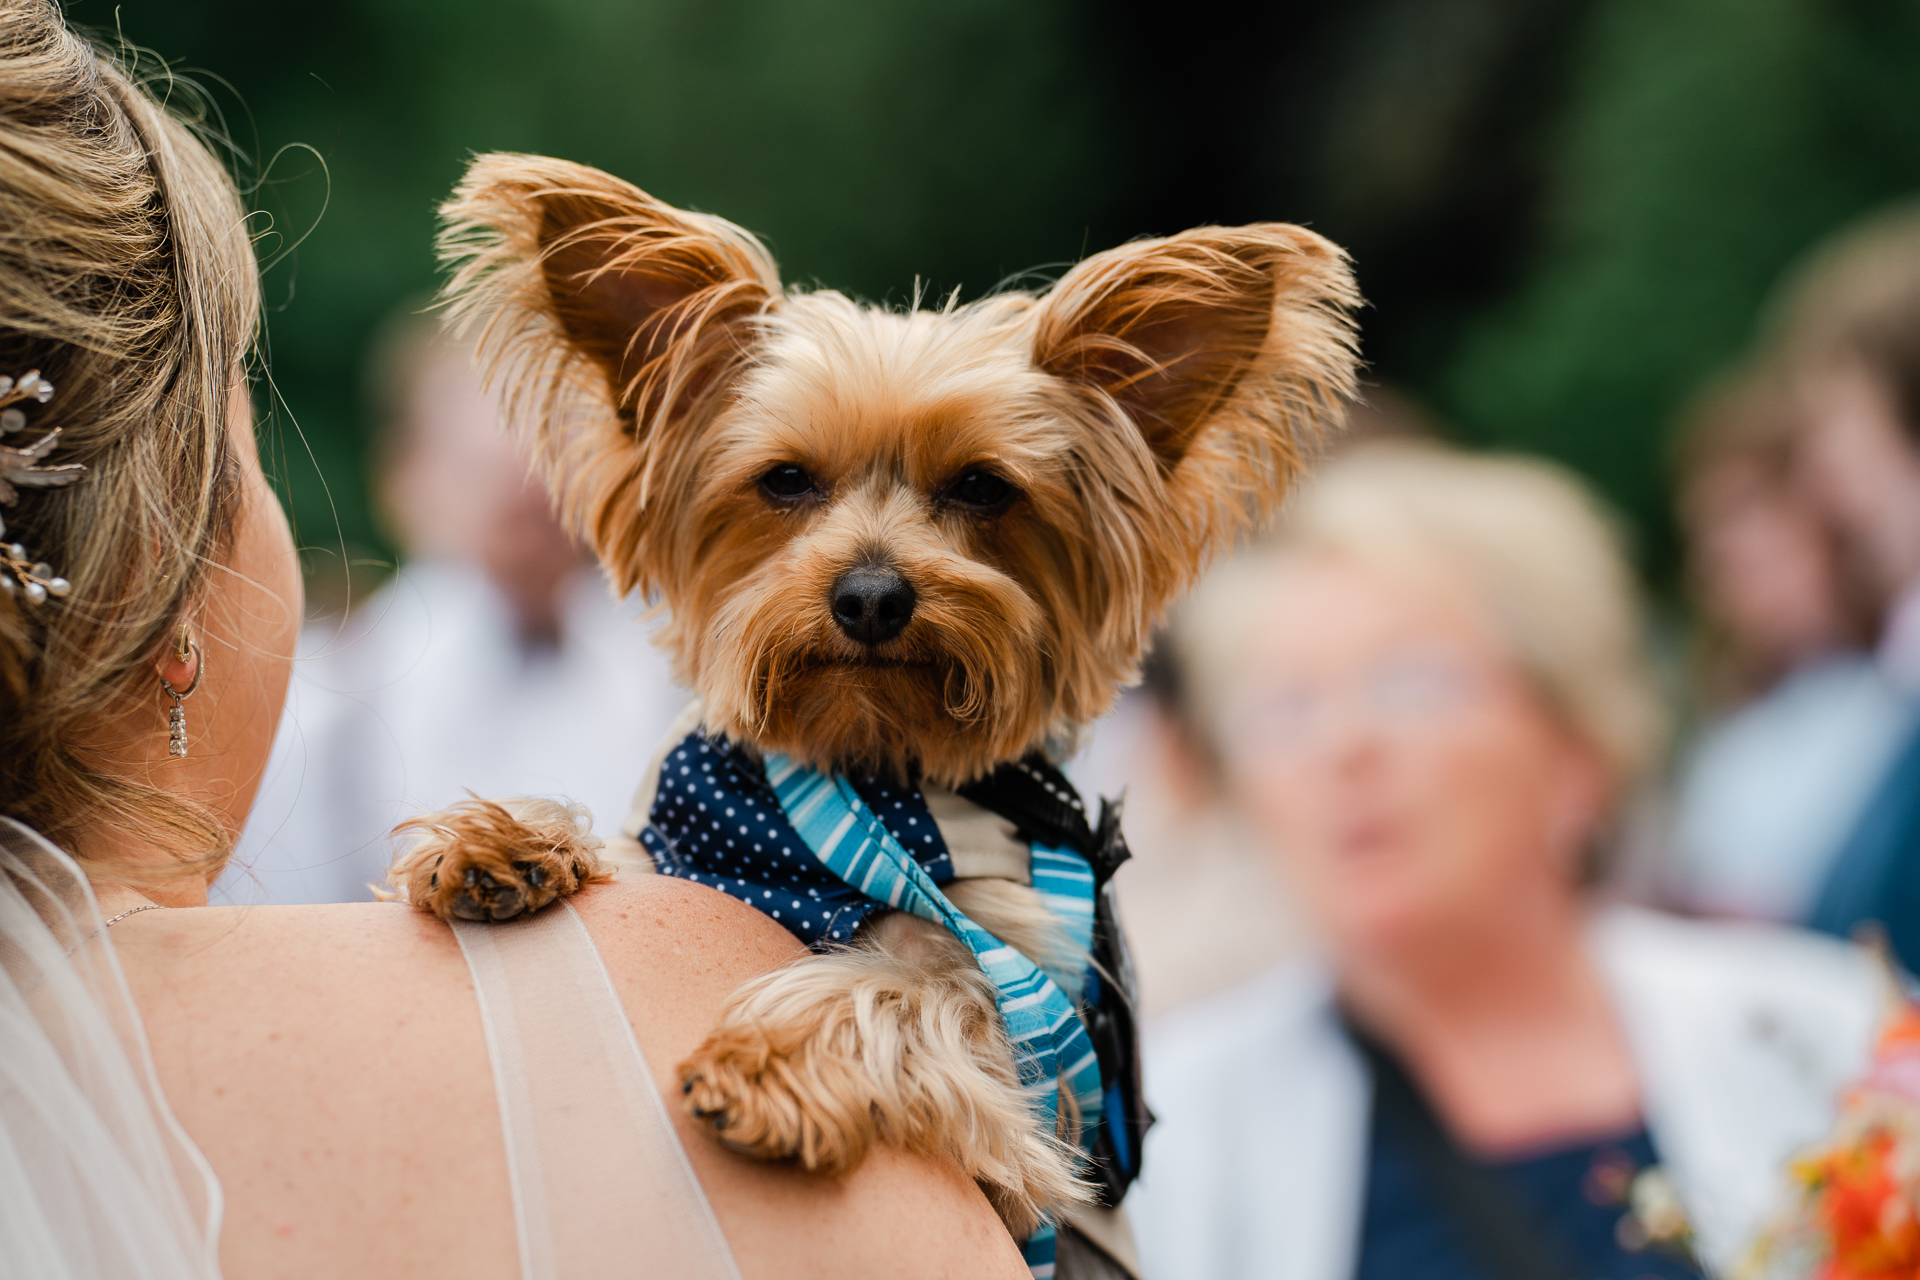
[(21, 467)]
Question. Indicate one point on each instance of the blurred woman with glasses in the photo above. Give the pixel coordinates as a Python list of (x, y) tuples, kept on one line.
[(1428, 692)]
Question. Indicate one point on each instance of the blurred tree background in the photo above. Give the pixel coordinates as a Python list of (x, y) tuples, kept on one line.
[(1565, 213)]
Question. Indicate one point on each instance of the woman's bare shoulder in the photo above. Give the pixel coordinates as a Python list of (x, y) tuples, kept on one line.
[(323, 991), (685, 918), (677, 951)]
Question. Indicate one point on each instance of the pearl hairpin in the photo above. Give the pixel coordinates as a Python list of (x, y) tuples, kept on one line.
[(20, 574)]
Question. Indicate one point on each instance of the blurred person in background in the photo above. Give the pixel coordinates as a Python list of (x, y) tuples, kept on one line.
[(495, 661), (1205, 907), (1850, 333), (1801, 723), (1428, 693)]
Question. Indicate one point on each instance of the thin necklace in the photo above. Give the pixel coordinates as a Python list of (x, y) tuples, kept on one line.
[(134, 911)]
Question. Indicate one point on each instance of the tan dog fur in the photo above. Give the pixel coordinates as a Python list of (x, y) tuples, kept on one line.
[(1150, 407)]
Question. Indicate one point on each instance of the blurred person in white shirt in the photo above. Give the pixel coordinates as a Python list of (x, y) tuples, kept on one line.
[(1429, 695), (495, 660), (1204, 907), (1801, 721)]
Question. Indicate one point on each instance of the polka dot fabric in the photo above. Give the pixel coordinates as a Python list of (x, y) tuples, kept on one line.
[(716, 822)]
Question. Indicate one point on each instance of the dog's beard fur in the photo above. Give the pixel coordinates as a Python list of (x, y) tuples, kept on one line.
[(1151, 407), (1003, 645), (965, 678)]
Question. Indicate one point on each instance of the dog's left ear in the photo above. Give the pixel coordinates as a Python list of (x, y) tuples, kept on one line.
[(1243, 329), (568, 266), (613, 322)]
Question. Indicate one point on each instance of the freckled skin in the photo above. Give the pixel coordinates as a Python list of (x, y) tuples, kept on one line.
[(351, 1117)]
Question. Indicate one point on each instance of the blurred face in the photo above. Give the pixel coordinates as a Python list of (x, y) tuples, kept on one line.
[(461, 488), (1761, 556), (1866, 473), (1411, 781)]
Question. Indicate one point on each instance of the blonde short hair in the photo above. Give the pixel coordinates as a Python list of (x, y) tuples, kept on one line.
[(1543, 556), (1856, 298), (127, 276)]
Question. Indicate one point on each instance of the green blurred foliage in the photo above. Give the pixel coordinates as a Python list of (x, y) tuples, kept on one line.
[(1568, 212), (866, 141), (1705, 145)]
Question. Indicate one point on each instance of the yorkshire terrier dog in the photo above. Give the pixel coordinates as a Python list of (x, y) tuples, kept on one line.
[(906, 554)]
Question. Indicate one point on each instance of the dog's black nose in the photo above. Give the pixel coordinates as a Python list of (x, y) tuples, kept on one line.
[(872, 603)]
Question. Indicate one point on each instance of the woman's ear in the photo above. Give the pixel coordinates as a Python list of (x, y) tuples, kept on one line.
[(1228, 329), (178, 661)]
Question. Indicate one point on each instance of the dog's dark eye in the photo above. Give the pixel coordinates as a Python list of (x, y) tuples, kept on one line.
[(787, 481), (981, 490)]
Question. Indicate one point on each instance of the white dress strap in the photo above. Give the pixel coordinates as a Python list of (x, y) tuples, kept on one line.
[(601, 1185)]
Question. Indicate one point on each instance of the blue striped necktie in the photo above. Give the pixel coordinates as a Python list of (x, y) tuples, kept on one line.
[(1050, 1046)]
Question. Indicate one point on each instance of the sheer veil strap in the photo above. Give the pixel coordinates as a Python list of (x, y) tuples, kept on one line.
[(601, 1185), (97, 1179)]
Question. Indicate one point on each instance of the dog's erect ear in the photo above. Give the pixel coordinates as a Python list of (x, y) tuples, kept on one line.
[(1245, 326), (575, 272), (612, 321)]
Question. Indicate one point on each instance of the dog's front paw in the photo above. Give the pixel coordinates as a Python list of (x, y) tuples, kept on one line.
[(480, 895), (894, 1041), (492, 862), (776, 1103)]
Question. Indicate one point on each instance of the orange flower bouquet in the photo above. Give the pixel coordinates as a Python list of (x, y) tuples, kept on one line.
[(1856, 1214)]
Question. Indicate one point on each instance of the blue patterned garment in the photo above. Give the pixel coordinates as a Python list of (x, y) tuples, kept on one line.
[(1051, 1050), (716, 822), (718, 819)]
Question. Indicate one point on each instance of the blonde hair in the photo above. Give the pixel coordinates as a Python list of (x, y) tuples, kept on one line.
[(1543, 556), (126, 277), (1857, 298)]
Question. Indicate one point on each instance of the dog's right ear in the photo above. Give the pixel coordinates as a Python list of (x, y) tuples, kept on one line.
[(579, 277)]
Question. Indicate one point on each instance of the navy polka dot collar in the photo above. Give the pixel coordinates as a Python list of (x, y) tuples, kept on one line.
[(716, 822)]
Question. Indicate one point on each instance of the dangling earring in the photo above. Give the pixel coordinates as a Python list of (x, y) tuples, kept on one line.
[(184, 648)]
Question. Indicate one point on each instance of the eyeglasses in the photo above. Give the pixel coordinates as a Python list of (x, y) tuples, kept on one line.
[(1405, 692)]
